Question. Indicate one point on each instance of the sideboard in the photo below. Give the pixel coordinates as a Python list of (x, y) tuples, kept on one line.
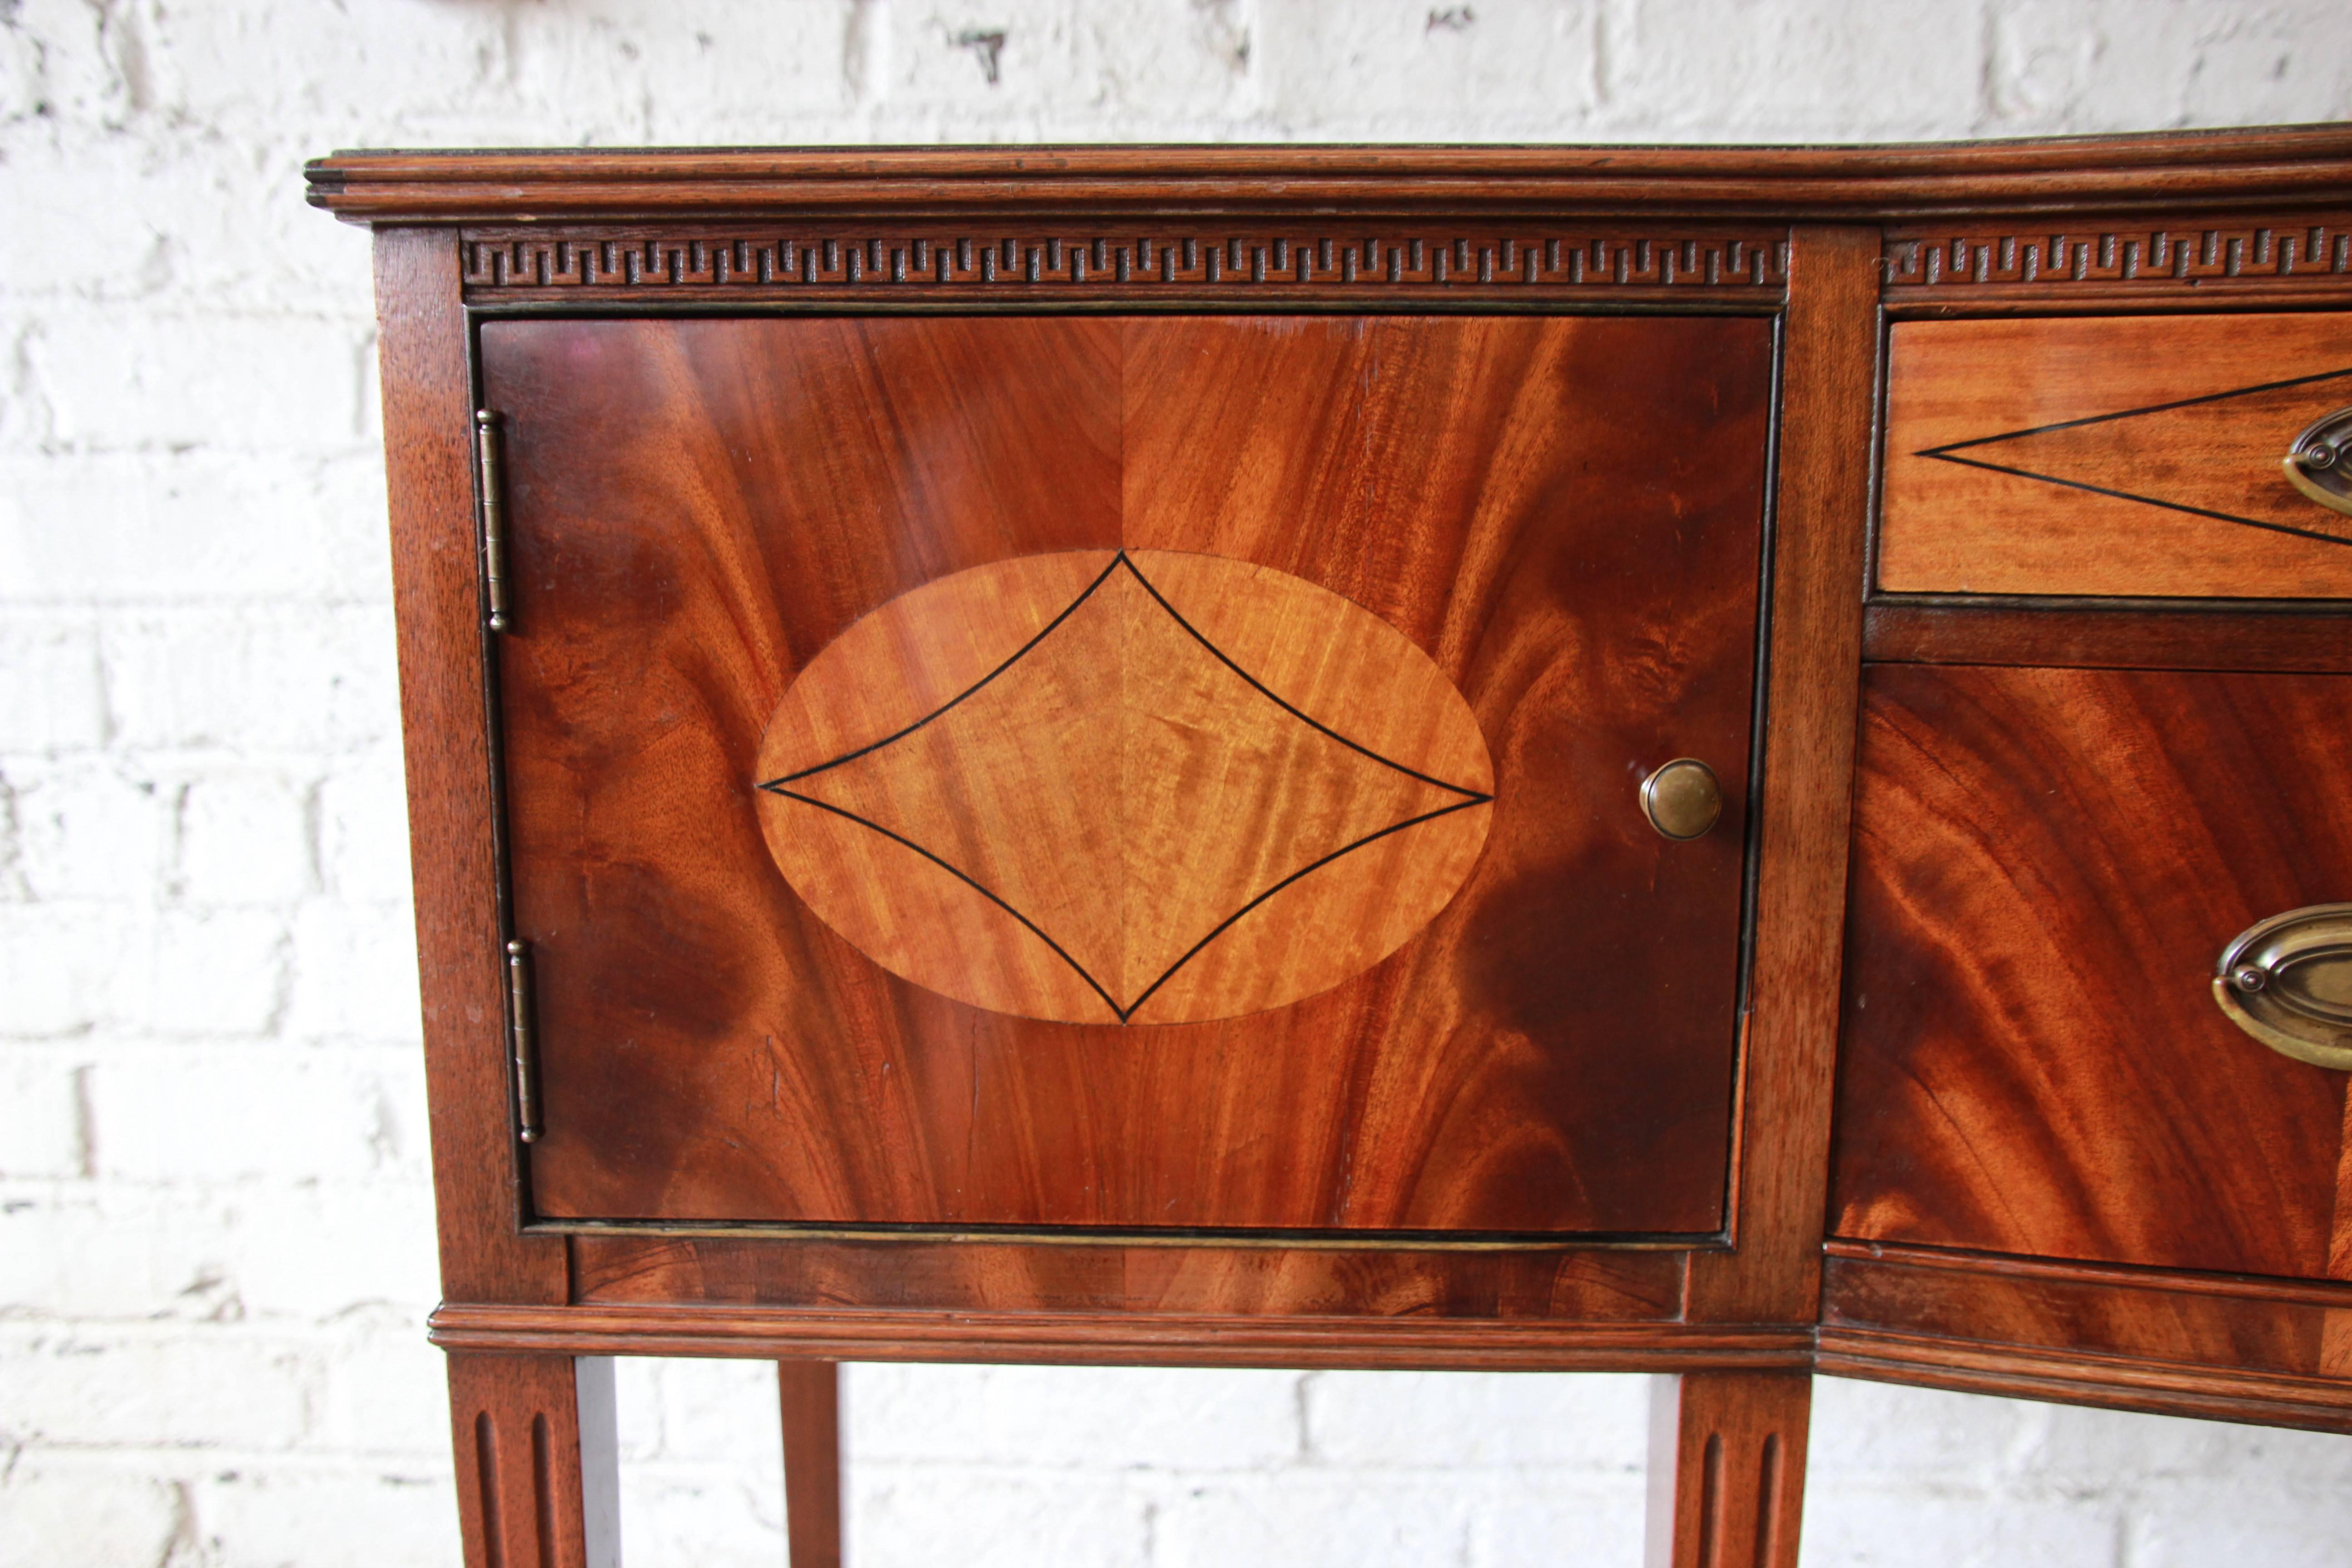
[(1717, 762)]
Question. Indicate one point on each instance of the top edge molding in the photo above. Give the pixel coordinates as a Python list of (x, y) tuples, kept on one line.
[(2289, 165)]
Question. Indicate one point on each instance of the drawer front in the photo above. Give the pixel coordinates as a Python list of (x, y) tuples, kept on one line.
[(2113, 455), (1131, 773), (2047, 865)]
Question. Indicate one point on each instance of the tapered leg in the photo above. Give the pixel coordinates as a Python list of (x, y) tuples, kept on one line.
[(810, 1391), (1728, 1468), (537, 1467)]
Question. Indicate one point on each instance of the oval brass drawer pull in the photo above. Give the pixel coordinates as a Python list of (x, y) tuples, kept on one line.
[(2288, 981), (2319, 462)]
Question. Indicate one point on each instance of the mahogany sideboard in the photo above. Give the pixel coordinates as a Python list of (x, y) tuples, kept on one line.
[(1717, 762)]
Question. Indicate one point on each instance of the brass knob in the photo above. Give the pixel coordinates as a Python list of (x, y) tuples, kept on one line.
[(1682, 799), (2288, 981), (2319, 461)]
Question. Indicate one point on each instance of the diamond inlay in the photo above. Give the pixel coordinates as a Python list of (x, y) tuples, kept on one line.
[(1113, 786)]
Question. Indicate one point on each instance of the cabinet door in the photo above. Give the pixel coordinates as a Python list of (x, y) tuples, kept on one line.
[(2047, 865), (1176, 773)]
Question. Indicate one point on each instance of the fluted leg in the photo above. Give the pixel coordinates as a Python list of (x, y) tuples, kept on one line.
[(1728, 1468), (538, 1467)]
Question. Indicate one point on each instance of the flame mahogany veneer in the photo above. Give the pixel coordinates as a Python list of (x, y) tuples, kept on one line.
[(1061, 771)]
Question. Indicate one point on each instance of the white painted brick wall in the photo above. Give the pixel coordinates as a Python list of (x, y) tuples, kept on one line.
[(215, 1237)]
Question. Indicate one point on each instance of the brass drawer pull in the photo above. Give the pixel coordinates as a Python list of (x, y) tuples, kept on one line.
[(1682, 799), (2319, 462), (2288, 981)]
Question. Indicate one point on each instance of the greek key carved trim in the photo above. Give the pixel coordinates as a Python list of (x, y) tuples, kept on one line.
[(2193, 254), (538, 260)]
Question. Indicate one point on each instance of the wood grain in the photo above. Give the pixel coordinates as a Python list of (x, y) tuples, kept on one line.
[(2047, 863), (1821, 518), (522, 1496), (1121, 787), (2110, 638), (1086, 1283), (2092, 264), (428, 473), (1726, 1476), (1300, 260), (1562, 514), (2124, 455), (2178, 173), (808, 1396), (1035, 1339), (2223, 1346)]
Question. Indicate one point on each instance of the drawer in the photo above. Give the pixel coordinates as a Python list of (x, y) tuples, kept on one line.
[(1120, 774), (2113, 456), (2047, 865)]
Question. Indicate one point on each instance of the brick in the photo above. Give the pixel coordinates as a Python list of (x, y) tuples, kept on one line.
[(2294, 1521), (154, 1386), (935, 64), (1385, 69), (57, 965), (1311, 1518), (43, 1110), (21, 71), (1685, 69), (277, 680), (83, 75), (1879, 1429), (245, 836), (1533, 1518), (700, 1412), (1068, 1416), (2079, 1449), (65, 1508), (354, 972), (194, 1253), (363, 829), (116, 527), (1893, 1526), (166, 1114), (89, 829), (649, 71), (702, 1513), (205, 972), (2267, 65), (322, 1249), (75, 1250), (1597, 1423), (903, 1517), (275, 1513), (264, 383), (382, 1391), (52, 698)]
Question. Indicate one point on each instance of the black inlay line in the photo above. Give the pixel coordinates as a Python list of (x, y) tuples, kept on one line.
[(966, 878), (1136, 571), (1018, 654), (1226, 924), (2148, 500), (2130, 413), (1036, 931), (776, 786)]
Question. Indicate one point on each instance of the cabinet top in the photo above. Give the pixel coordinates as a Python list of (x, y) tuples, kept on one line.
[(2269, 168)]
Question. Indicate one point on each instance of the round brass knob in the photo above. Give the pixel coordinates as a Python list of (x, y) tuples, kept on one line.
[(1682, 799)]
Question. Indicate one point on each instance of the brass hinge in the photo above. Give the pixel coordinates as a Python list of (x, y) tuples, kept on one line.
[(490, 466), (526, 1070)]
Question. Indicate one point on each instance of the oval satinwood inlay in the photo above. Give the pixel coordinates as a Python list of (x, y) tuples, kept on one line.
[(1124, 786)]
